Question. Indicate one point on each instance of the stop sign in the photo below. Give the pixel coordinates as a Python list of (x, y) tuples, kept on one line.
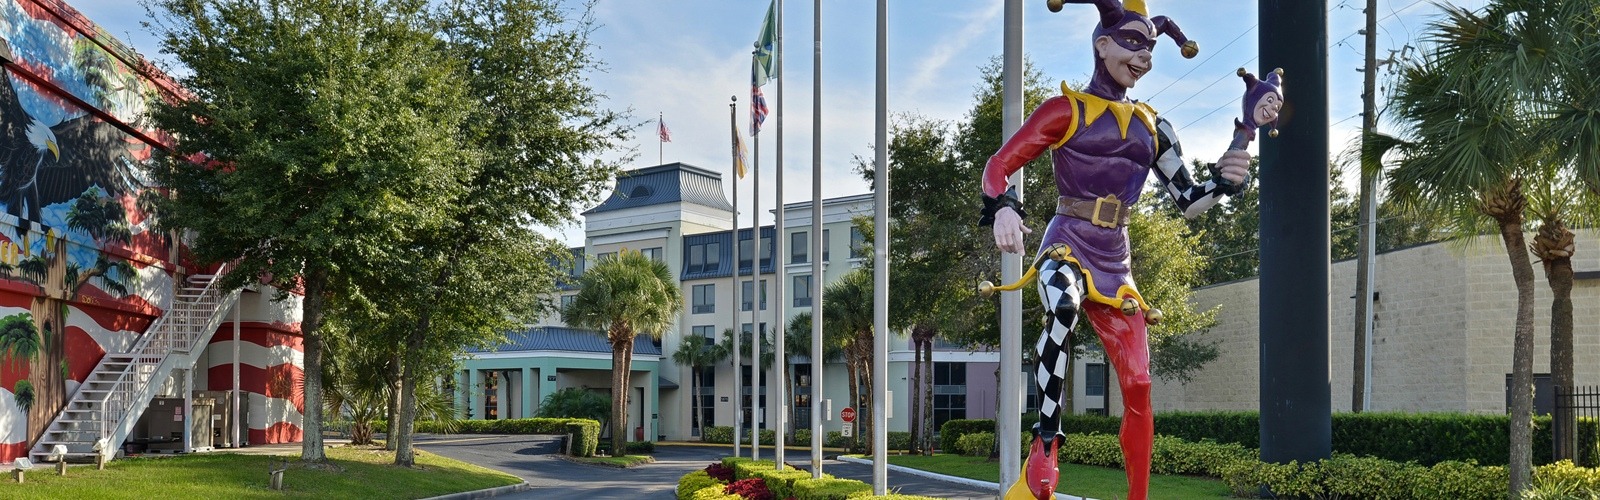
[(848, 414)]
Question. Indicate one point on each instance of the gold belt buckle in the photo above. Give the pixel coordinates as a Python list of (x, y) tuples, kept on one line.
[(1116, 208)]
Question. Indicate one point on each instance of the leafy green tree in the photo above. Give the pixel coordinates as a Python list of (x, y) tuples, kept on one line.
[(532, 128), (697, 353), (574, 402), (624, 296), (329, 132)]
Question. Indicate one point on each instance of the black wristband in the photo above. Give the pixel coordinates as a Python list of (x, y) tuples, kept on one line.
[(993, 204), (1226, 186)]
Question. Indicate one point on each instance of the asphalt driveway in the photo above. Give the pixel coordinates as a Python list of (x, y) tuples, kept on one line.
[(536, 459)]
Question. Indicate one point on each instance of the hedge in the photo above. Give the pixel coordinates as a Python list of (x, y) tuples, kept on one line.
[(790, 484), (1425, 438), (724, 435), (586, 433)]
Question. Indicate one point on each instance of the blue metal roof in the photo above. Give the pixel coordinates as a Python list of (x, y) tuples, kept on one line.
[(670, 183), (724, 266), (560, 338)]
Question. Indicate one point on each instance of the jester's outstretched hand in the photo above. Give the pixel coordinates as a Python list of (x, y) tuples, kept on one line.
[(1103, 147)]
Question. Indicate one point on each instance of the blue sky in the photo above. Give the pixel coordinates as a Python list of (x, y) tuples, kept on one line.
[(684, 59)]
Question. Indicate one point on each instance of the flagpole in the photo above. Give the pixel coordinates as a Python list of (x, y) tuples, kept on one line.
[(779, 274), (755, 308), (880, 262), (1010, 397), (816, 245), (738, 397), (660, 126)]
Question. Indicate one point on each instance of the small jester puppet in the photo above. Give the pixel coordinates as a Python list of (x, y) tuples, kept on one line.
[(1103, 147)]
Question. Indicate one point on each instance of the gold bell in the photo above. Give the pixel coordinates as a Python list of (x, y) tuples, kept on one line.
[(1190, 49), (1130, 307), (986, 288), (1152, 317)]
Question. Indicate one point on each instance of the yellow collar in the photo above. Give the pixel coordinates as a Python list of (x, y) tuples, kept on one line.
[(1095, 106)]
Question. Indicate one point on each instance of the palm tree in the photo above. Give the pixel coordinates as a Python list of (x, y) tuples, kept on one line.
[(847, 311), (1467, 145), (1572, 129), (697, 353), (754, 379), (625, 295), (799, 334)]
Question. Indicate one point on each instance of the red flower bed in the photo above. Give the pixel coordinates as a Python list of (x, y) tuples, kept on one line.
[(749, 489), (720, 472)]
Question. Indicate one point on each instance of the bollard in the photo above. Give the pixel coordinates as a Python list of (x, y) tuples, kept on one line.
[(277, 479), (18, 474), (61, 467)]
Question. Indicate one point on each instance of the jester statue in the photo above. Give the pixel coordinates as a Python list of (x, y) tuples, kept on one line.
[(1101, 162)]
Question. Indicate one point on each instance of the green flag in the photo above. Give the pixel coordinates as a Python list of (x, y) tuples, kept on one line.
[(766, 53)]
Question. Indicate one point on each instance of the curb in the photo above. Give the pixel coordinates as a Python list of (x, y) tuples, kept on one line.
[(485, 493), (951, 479)]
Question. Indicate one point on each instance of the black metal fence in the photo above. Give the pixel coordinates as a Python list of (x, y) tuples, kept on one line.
[(1577, 439)]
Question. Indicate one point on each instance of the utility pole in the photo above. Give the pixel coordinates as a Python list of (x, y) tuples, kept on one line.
[(1296, 399), (1361, 374)]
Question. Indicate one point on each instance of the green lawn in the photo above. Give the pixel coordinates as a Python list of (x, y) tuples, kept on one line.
[(1081, 480), (354, 472)]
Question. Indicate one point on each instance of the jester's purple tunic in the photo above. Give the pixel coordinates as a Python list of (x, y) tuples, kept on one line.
[(1095, 162)]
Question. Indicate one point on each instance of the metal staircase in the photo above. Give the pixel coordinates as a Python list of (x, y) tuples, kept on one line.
[(96, 421)]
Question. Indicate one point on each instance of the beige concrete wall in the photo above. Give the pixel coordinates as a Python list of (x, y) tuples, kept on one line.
[(1442, 335)]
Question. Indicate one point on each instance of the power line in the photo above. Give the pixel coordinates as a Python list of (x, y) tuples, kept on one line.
[(1203, 62)]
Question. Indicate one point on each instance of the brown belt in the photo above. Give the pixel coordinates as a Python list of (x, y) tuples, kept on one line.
[(1107, 211)]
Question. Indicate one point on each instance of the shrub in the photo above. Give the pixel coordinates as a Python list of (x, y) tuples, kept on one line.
[(829, 489), (1092, 449), (694, 482), (574, 402), (718, 434), (720, 472), (836, 439), (1462, 481), (781, 483), (977, 444), (952, 430), (1349, 476), (899, 441), (1562, 481), (749, 489), (715, 492), (641, 447)]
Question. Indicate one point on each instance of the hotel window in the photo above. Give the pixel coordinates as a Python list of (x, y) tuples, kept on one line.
[(567, 300), (703, 258), (1094, 383), (858, 242), (748, 294), (802, 291), (604, 257), (653, 253), (949, 392), (705, 297), (709, 332), (799, 251), (747, 250), (824, 245)]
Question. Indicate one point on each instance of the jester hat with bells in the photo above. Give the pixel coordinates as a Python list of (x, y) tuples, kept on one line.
[(1113, 15)]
